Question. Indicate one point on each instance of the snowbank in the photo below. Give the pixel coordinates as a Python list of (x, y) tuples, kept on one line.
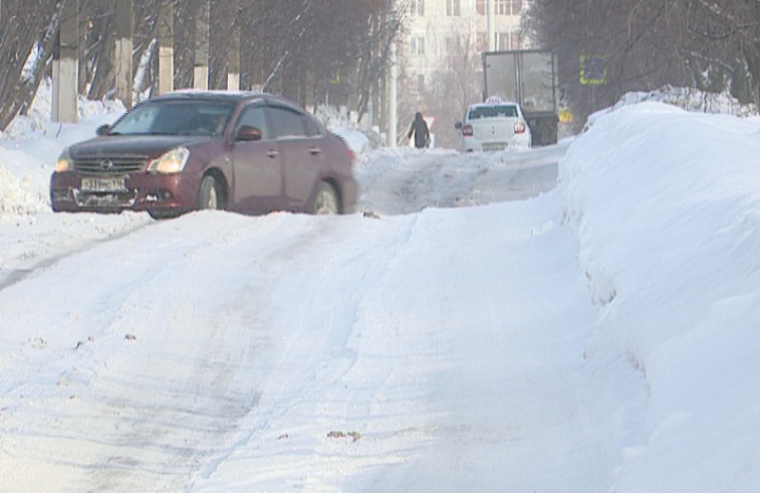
[(665, 205)]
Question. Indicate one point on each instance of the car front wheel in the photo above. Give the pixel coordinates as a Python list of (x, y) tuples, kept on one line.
[(208, 196), (325, 200)]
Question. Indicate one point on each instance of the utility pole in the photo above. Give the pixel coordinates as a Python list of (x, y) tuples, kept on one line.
[(200, 72), (393, 97), (166, 48), (491, 19), (66, 66), (233, 62), (123, 51)]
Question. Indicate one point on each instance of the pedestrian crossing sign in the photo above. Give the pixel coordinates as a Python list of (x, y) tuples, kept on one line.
[(593, 69)]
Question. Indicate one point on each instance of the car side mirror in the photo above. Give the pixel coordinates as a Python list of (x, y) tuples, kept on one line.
[(247, 134), (103, 130), (458, 125)]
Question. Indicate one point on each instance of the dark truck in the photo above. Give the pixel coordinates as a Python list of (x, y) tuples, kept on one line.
[(529, 78)]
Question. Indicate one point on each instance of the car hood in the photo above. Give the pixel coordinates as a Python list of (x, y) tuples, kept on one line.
[(142, 145)]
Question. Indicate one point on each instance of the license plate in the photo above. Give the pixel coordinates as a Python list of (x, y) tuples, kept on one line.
[(104, 184)]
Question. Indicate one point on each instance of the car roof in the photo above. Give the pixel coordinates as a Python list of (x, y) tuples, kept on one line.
[(221, 95), (500, 103)]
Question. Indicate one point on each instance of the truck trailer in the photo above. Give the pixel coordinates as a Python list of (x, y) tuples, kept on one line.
[(529, 78)]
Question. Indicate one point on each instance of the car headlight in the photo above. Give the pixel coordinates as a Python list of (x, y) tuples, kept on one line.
[(173, 161), (64, 162)]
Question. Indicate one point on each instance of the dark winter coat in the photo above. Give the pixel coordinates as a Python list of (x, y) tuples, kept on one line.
[(420, 131)]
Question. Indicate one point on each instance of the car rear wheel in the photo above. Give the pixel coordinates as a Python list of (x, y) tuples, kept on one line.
[(208, 196), (325, 200)]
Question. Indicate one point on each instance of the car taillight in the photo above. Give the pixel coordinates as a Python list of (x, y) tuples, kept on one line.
[(467, 130), (519, 127)]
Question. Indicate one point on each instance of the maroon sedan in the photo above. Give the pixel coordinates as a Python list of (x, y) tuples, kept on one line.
[(245, 152)]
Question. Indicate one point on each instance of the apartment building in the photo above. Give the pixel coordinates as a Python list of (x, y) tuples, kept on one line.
[(439, 29)]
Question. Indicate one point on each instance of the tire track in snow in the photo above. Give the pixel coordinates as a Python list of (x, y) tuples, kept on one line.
[(15, 276)]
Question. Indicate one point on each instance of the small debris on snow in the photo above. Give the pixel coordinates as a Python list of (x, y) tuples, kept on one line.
[(38, 343), (130, 337), (371, 215), (339, 434), (82, 343)]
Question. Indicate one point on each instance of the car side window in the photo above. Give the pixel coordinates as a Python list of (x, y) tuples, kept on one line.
[(312, 129), (286, 123), (254, 116)]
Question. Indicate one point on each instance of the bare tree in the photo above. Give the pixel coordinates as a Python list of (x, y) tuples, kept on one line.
[(455, 85), (712, 45), (28, 25), (303, 49)]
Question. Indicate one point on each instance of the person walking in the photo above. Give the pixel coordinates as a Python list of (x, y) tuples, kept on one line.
[(420, 131)]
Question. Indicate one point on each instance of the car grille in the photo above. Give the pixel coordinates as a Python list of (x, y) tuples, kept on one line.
[(109, 165)]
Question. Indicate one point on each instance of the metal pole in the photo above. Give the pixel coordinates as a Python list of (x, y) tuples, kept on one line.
[(392, 98), (392, 88), (490, 15)]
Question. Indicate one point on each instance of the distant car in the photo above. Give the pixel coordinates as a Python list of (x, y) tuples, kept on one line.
[(187, 150), (493, 126)]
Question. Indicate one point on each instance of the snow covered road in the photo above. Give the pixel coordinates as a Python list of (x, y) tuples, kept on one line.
[(216, 352)]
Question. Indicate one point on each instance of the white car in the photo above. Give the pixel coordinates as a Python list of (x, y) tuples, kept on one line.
[(493, 126)]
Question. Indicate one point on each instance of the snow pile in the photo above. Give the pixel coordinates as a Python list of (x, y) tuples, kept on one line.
[(37, 122), (356, 140), (668, 225), (19, 196), (339, 121), (692, 100)]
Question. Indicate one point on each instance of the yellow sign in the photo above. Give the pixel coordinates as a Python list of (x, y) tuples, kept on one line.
[(566, 115)]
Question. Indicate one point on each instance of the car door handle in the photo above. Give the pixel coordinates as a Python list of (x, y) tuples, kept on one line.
[(272, 154), (315, 150)]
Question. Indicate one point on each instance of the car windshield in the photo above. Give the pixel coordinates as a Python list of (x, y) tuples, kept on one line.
[(202, 118), (495, 111)]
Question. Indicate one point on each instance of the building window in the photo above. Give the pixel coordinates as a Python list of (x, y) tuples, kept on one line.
[(452, 8), (508, 7), (502, 41), (418, 45), (417, 8), (421, 84), (501, 7), (507, 41)]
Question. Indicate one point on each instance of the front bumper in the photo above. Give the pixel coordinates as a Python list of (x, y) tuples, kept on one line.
[(141, 192)]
